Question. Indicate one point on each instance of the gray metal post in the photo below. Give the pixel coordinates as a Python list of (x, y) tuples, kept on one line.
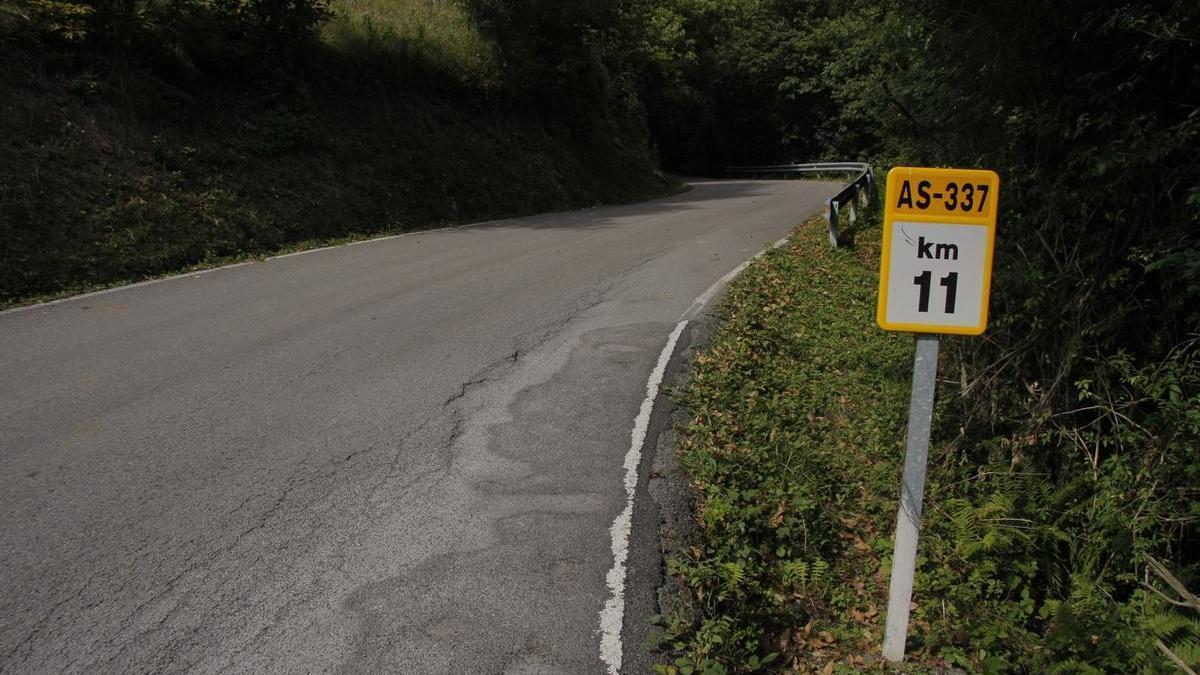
[(834, 236), (912, 492)]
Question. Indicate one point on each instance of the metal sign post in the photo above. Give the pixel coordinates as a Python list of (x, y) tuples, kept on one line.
[(939, 230), (912, 492)]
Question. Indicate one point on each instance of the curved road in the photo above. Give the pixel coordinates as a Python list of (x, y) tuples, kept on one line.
[(402, 455)]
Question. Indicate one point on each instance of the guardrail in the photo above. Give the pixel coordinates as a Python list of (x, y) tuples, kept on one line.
[(861, 189)]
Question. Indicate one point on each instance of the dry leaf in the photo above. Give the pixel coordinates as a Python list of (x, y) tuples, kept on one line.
[(777, 519)]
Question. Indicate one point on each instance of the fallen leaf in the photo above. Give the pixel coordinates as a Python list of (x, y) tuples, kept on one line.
[(777, 519)]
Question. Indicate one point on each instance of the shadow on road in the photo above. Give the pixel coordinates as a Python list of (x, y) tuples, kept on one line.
[(699, 191)]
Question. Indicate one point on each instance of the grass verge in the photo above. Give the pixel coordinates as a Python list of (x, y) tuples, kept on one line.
[(792, 449)]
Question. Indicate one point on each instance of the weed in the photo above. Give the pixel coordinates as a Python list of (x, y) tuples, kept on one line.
[(796, 412), (795, 448)]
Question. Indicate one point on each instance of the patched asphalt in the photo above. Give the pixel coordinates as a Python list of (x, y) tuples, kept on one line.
[(401, 455)]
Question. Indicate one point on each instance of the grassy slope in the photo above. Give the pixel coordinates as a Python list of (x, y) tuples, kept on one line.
[(793, 449), (108, 174)]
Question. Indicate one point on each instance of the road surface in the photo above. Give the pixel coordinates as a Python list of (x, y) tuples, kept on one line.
[(403, 455)]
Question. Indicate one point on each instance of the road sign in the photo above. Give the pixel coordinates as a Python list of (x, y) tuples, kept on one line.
[(939, 227)]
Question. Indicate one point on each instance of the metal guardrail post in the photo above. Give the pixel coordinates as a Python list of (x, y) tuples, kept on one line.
[(861, 188), (832, 215)]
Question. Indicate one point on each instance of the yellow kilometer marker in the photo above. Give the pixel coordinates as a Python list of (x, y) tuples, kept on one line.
[(939, 229)]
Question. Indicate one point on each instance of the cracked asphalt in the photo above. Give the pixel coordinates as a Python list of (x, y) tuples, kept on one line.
[(401, 455)]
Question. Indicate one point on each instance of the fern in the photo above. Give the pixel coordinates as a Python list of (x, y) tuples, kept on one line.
[(732, 575), (1073, 667), (1175, 626), (819, 573), (1169, 624), (1188, 651), (795, 572), (1179, 634)]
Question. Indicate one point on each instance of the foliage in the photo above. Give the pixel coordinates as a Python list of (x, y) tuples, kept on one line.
[(1171, 616), (149, 137), (270, 27), (572, 58), (1089, 376), (412, 36), (718, 84), (1066, 443), (53, 20), (797, 396), (792, 438)]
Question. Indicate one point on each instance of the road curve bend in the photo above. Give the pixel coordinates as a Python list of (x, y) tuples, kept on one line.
[(402, 455)]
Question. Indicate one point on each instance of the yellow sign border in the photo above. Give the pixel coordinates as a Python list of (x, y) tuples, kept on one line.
[(987, 219)]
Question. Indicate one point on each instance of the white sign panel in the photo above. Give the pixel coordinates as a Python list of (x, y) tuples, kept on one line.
[(936, 275)]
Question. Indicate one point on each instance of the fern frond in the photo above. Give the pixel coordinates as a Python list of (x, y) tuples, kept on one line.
[(795, 572), (1074, 667), (732, 574), (819, 571), (1168, 625)]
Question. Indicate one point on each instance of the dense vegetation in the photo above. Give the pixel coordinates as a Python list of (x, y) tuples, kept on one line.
[(1069, 434), (792, 448), (144, 137)]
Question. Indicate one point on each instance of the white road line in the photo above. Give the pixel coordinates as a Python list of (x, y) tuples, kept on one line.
[(369, 240), (210, 270), (707, 295), (372, 240), (114, 289), (612, 617)]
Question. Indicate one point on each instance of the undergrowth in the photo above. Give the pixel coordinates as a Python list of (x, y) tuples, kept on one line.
[(795, 447), (167, 136), (437, 38), (792, 447)]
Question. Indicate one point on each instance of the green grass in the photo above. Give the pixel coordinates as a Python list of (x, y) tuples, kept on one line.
[(436, 34), (793, 448)]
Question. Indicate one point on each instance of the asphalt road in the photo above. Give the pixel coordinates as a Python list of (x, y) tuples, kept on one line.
[(401, 455)]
